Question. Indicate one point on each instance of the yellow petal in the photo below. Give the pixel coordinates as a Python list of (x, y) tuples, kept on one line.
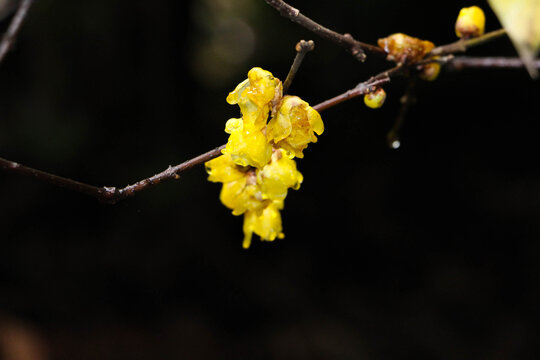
[(223, 169), (267, 225), (293, 126), (233, 124), (248, 147), (278, 176), (255, 95)]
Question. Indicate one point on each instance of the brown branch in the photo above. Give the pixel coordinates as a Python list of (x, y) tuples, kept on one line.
[(110, 195), (14, 27), (16, 168), (113, 195), (355, 47)]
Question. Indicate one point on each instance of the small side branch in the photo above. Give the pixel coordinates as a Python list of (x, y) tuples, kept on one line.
[(14, 27), (463, 45), (464, 62), (302, 48), (355, 47)]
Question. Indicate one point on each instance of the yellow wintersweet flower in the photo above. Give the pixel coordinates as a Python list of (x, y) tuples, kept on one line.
[(257, 166), (255, 96), (278, 176), (293, 126), (246, 145), (266, 224)]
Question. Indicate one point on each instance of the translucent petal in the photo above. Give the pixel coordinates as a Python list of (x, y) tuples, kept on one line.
[(223, 169), (255, 95), (267, 224), (278, 176), (293, 126), (233, 124), (248, 147), (239, 196)]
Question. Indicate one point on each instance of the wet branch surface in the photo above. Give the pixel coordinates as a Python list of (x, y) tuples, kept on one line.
[(112, 195)]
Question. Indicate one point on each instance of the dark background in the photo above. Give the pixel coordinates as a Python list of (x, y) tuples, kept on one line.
[(428, 252)]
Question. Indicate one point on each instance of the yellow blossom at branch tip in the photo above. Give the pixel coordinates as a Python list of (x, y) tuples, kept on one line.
[(293, 126), (470, 22), (255, 96)]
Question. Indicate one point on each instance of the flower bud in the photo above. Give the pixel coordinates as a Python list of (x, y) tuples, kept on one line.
[(404, 49), (470, 22), (429, 72), (375, 99)]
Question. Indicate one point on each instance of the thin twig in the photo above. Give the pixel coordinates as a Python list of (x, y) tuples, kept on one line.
[(16, 168), (463, 45), (302, 48), (110, 195), (14, 27), (463, 62), (355, 47)]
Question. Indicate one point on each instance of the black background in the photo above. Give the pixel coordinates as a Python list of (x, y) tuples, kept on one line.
[(430, 251)]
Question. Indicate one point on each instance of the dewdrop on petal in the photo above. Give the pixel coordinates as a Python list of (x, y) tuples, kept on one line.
[(470, 22), (375, 99)]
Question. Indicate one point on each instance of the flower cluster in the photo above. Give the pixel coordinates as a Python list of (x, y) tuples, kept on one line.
[(257, 166)]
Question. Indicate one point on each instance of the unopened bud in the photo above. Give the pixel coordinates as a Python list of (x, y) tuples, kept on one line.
[(429, 72), (470, 22), (375, 99)]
